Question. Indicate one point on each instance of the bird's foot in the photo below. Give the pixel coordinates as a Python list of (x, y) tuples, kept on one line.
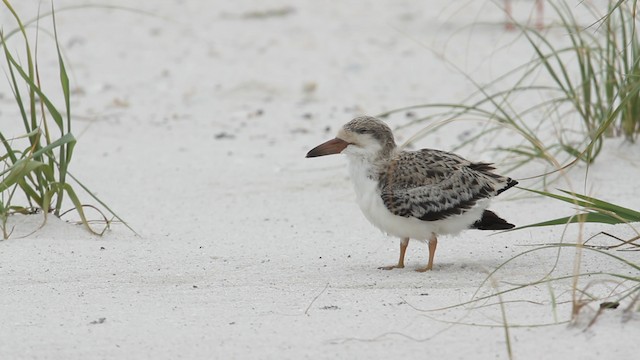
[(426, 268), (391, 267)]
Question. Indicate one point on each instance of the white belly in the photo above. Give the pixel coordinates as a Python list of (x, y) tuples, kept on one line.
[(370, 202)]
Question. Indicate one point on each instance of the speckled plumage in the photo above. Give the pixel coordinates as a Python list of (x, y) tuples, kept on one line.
[(433, 185), (415, 194)]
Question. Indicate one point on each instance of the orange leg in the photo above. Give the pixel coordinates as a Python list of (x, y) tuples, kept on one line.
[(433, 242), (540, 17), (509, 23), (403, 249)]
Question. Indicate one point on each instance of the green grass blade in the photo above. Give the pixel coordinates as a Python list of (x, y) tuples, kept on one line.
[(574, 201), (16, 90), (19, 171), (101, 203), (56, 188), (626, 213), (579, 218), (64, 78), (598, 211), (50, 107), (66, 139), (30, 67)]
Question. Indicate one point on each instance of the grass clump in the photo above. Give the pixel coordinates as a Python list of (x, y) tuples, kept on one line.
[(35, 164), (605, 93), (588, 86), (593, 210)]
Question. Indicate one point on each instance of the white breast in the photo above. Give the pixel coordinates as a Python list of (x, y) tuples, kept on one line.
[(370, 202)]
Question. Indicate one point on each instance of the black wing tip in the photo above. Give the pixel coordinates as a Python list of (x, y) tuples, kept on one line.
[(510, 183), (487, 169), (491, 221)]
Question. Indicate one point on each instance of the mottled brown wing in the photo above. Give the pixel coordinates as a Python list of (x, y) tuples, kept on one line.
[(434, 185)]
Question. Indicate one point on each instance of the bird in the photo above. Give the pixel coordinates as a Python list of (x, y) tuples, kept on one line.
[(419, 194)]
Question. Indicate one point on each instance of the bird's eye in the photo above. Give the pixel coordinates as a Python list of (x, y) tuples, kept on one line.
[(364, 131)]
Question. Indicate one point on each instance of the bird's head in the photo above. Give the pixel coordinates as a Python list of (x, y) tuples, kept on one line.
[(364, 136)]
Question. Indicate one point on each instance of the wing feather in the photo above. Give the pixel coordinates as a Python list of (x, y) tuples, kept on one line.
[(433, 185)]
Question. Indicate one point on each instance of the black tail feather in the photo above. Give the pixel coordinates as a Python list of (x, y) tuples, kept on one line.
[(491, 221)]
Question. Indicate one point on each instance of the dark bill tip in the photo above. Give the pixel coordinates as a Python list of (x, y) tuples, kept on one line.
[(334, 146)]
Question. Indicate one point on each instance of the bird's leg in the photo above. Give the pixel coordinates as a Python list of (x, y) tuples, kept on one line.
[(540, 15), (433, 242), (403, 249)]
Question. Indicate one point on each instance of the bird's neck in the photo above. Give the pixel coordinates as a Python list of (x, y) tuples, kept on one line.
[(368, 165)]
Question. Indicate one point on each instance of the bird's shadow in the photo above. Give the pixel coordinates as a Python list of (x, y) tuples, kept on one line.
[(474, 270)]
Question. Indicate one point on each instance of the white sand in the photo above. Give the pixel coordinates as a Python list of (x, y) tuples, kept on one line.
[(193, 125)]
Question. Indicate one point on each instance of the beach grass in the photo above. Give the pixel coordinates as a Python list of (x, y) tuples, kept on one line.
[(35, 172), (586, 86)]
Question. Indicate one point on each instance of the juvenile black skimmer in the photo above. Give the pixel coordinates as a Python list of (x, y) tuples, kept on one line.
[(415, 194)]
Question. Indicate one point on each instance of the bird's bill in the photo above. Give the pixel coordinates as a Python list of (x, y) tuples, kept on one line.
[(334, 146)]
